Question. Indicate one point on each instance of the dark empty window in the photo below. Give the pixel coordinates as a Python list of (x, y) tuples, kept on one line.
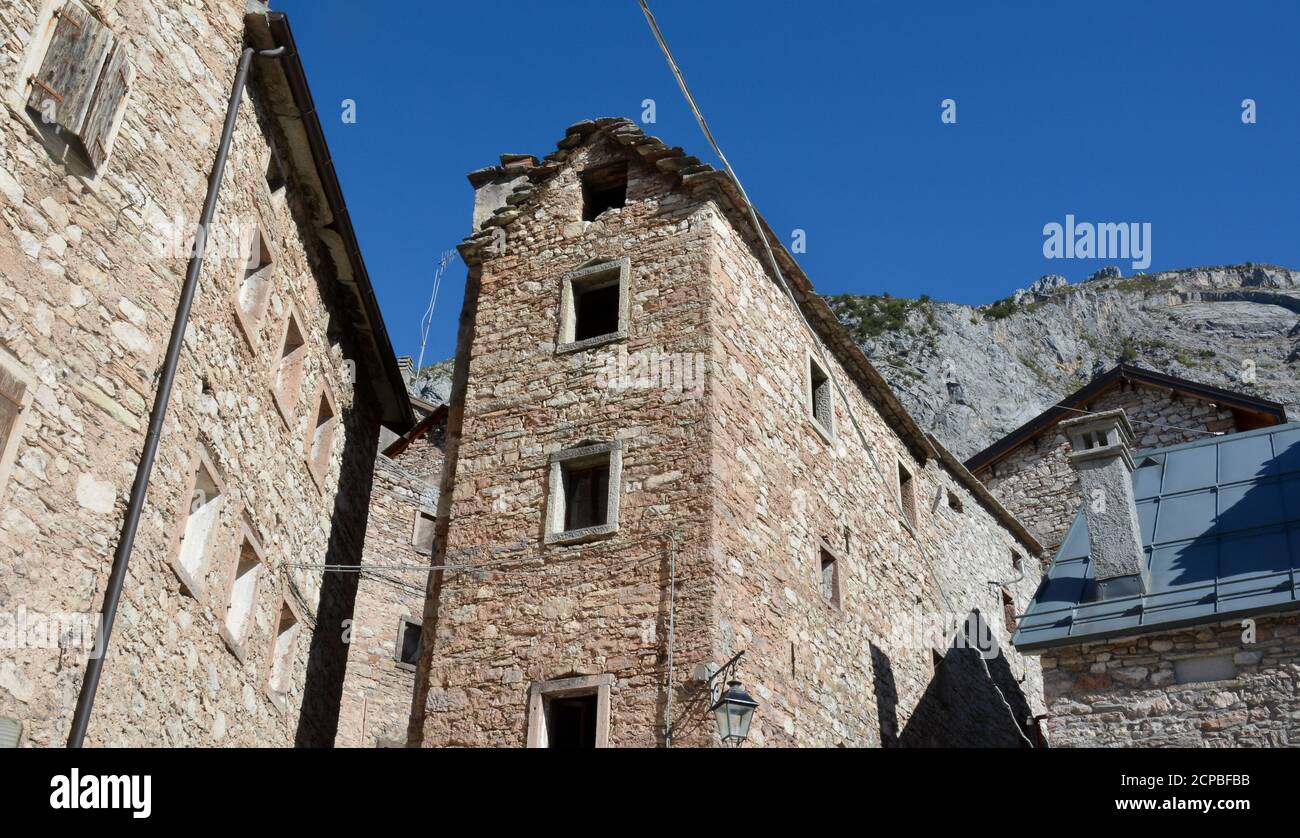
[(571, 721), (274, 175), (408, 643), (603, 189), (819, 395), (595, 309), (954, 502), (829, 577), (907, 495), (586, 495), (1008, 610)]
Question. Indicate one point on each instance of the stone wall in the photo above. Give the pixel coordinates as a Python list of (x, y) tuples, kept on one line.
[(87, 295), (1125, 693), (376, 704), (853, 673), (535, 612), (1037, 483), (726, 491)]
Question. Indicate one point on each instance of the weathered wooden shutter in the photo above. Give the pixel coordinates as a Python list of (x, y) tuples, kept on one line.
[(108, 99), (65, 84), (82, 80), (11, 401)]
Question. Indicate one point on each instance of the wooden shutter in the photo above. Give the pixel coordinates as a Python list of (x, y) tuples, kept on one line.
[(108, 99), (11, 401), (83, 79), (71, 69)]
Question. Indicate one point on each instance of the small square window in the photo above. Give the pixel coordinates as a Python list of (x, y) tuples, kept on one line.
[(242, 596), (1008, 610), (1017, 562), (201, 514), (283, 650), (254, 289), (422, 538), (603, 189), (594, 306), (907, 495), (821, 401), (829, 575), (954, 502), (16, 386), (584, 492), (408, 642), (275, 180), (320, 437), (286, 374)]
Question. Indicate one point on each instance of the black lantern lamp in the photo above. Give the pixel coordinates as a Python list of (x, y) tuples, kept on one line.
[(733, 711)]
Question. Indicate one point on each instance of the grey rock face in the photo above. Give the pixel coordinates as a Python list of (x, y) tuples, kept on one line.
[(433, 382), (971, 375)]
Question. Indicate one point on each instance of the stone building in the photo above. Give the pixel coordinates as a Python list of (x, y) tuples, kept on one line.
[(228, 633), (1029, 471), (658, 457), (386, 623), (1170, 615)]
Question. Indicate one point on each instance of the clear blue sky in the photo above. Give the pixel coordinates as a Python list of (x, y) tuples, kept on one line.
[(830, 112)]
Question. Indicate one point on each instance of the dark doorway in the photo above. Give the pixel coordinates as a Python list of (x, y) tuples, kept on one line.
[(571, 722)]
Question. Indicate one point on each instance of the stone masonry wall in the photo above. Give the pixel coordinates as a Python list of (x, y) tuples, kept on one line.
[(1124, 692), (853, 673), (86, 302), (1037, 483), (376, 705), (735, 472), (545, 612)]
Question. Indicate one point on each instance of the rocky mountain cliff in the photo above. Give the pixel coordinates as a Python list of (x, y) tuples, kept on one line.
[(970, 375)]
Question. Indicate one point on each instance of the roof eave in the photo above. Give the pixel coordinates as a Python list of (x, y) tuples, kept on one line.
[(268, 29)]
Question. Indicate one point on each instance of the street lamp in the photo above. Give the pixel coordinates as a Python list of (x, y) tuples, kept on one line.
[(733, 711)]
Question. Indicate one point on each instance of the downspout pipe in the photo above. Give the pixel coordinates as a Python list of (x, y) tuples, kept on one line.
[(158, 414)]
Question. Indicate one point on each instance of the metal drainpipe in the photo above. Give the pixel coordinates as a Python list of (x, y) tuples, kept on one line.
[(117, 577), (672, 597)]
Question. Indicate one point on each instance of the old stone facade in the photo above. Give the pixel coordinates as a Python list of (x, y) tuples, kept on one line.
[(385, 629), (1228, 684), (228, 632), (1036, 483), (738, 508)]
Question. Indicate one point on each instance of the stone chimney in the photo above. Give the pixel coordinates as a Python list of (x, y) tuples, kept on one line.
[(407, 368), (493, 185), (1102, 456)]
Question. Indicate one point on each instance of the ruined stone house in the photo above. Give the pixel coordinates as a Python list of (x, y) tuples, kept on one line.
[(1169, 615), (1029, 470), (658, 457), (229, 633)]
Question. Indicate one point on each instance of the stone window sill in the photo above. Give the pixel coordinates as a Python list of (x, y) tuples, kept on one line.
[(826, 435), (582, 535), (591, 343), (236, 648)]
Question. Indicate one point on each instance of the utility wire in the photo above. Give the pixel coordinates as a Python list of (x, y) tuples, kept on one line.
[(758, 227)]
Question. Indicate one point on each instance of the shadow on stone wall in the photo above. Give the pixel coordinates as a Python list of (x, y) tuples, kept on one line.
[(962, 707), (327, 659)]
